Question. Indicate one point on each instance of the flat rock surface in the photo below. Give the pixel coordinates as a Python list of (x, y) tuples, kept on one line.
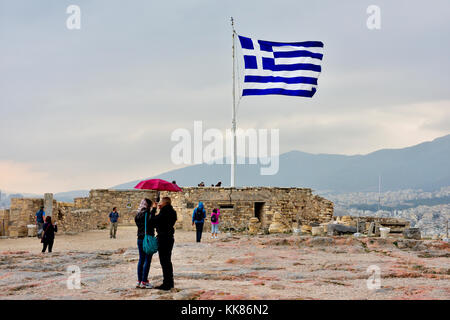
[(237, 267)]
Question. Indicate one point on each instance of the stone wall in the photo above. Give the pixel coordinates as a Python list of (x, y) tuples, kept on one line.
[(295, 206), (239, 205), (22, 213), (92, 212), (79, 220), (81, 202), (62, 214), (101, 201), (4, 222)]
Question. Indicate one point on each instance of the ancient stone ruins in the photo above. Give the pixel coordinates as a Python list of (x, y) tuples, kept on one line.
[(253, 210)]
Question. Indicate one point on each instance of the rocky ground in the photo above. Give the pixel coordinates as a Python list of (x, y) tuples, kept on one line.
[(236, 267)]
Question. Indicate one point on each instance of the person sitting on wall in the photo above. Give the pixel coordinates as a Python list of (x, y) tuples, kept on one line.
[(113, 221), (40, 216), (198, 217), (48, 235), (219, 184), (201, 184)]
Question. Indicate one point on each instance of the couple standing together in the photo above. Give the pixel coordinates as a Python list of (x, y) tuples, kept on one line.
[(164, 223)]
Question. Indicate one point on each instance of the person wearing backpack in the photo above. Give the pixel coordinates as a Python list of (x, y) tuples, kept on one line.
[(198, 217), (215, 223), (145, 226)]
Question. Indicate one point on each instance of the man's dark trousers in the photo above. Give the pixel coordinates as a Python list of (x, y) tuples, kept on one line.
[(199, 227), (165, 246)]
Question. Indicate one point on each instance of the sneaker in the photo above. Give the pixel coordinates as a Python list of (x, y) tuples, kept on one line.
[(146, 285), (138, 284)]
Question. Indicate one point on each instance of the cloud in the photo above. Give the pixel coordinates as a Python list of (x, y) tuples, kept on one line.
[(97, 107), (20, 177), (345, 130)]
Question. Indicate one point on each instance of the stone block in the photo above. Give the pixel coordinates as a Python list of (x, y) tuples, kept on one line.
[(340, 229), (412, 233)]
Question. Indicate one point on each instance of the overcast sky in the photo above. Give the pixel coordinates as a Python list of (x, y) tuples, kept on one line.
[(95, 107)]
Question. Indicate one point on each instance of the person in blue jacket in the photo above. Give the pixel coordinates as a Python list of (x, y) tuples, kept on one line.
[(40, 217), (198, 217)]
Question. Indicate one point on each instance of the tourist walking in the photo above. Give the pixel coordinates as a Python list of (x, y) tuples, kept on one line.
[(198, 218), (215, 223), (145, 212), (164, 222), (40, 216), (48, 234), (113, 222)]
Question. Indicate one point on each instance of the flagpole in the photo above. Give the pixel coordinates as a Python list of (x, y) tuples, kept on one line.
[(233, 114)]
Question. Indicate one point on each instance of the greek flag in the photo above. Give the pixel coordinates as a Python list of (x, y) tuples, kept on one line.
[(286, 68)]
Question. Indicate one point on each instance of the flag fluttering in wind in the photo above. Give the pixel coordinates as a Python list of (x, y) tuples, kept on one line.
[(285, 68)]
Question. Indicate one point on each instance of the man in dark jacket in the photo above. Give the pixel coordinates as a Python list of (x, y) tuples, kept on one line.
[(164, 223), (113, 221)]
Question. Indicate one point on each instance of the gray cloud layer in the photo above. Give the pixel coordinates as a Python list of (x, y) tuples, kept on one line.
[(96, 107)]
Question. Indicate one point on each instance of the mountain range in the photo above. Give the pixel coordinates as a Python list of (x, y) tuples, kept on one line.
[(423, 166)]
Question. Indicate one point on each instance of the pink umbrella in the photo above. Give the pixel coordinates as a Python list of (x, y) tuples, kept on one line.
[(157, 184)]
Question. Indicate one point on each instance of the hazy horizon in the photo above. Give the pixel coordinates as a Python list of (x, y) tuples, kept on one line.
[(185, 166)]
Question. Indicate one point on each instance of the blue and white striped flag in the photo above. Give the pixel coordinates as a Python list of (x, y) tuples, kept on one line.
[(286, 68)]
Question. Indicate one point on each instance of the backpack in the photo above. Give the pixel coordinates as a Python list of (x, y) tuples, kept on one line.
[(40, 216), (150, 243), (199, 216), (213, 217)]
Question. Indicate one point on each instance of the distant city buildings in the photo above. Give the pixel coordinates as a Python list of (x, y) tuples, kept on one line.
[(428, 211)]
